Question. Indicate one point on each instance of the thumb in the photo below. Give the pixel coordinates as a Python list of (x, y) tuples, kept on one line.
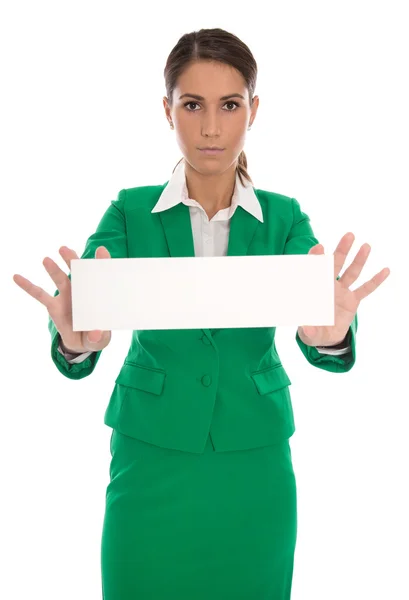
[(102, 252), (317, 249), (308, 330), (95, 336)]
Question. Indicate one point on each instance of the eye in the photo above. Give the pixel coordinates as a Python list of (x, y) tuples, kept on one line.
[(236, 104), (191, 102)]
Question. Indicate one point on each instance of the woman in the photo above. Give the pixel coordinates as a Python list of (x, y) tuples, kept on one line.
[(201, 502)]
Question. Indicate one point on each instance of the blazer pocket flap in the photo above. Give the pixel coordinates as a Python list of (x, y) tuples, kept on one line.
[(270, 380), (141, 378)]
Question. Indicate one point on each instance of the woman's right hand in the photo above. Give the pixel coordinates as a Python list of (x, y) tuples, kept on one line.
[(60, 307)]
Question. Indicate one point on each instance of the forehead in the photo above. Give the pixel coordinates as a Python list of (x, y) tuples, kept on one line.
[(211, 79)]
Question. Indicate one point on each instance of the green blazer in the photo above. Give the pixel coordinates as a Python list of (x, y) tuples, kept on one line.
[(176, 386)]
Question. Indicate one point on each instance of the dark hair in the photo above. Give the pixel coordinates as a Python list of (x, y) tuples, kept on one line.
[(212, 45)]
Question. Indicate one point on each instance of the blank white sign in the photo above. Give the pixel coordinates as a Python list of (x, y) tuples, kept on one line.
[(202, 292)]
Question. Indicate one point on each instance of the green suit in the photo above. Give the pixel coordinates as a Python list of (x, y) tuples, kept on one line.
[(240, 387), (187, 399)]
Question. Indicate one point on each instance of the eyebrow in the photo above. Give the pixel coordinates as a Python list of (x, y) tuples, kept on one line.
[(202, 98)]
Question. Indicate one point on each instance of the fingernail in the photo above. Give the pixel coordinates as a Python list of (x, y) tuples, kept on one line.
[(98, 339)]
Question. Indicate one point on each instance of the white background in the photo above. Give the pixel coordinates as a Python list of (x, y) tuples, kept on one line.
[(81, 118)]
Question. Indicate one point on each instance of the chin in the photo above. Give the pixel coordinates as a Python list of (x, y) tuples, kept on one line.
[(206, 164)]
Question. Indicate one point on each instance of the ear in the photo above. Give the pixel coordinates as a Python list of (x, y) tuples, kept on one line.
[(254, 108), (167, 108)]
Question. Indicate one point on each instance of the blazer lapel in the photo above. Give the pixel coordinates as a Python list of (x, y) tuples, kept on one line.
[(178, 230), (179, 236), (242, 229)]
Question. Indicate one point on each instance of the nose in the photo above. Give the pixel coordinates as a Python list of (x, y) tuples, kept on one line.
[(210, 125)]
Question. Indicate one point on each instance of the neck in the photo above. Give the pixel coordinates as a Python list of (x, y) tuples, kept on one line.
[(213, 192)]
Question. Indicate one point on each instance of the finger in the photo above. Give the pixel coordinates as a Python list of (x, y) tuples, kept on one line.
[(33, 290), (341, 252), (354, 270), (59, 277), (102, 252), (370, 286), (68, 254)]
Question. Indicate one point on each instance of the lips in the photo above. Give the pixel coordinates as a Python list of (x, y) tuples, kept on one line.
[(211, 150)]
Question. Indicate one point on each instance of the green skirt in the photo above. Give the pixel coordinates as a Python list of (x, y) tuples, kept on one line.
[(211, 526)]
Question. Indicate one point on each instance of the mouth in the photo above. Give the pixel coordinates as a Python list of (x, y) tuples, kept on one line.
[(211, 150)]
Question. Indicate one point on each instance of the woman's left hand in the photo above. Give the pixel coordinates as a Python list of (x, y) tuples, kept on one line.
[(346, 301)]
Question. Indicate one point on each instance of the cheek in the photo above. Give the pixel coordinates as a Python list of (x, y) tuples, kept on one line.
[(184, 118), (184, 135), (187, 127), (238, 136)]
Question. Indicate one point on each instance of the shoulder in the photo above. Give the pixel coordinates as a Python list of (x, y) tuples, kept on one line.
[(272, 197), (145, 197), (133, 198), (273, 203)]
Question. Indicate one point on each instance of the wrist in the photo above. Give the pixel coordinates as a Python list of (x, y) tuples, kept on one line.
[(335, 345), (69, 350)]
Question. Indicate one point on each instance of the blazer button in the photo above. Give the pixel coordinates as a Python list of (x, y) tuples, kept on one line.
[(206, 380)]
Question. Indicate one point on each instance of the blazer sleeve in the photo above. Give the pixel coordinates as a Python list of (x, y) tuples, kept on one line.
[(299, 241), (111, 233)]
